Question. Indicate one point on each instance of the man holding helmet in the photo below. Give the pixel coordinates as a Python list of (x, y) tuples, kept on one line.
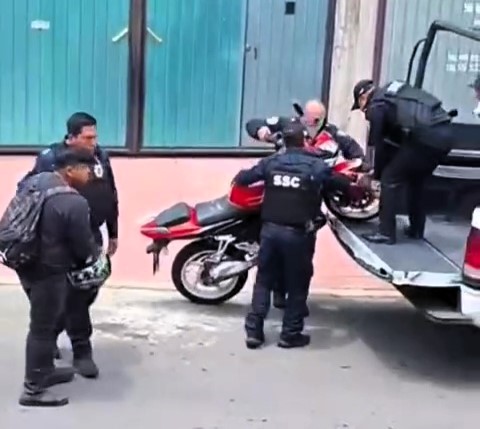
[(64, 239)]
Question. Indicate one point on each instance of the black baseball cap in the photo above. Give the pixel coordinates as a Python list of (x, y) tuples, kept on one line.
[(360, 88), (476, 83), (294, 134), (71, 157)]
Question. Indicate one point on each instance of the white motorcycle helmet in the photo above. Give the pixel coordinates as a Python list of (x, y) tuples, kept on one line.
[(93, 275)]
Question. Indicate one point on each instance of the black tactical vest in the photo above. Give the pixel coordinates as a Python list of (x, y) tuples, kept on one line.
[(414, 107), (99, 194), (291, 197)]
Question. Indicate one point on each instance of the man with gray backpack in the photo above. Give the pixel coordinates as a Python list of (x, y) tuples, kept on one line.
[(44, 233)]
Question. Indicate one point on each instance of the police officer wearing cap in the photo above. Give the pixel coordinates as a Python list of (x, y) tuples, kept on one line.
[(315, 123), (290, 218), (101, 194), (415, 121)]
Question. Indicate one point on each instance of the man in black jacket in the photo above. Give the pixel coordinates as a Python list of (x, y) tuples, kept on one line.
[(314, 121), (290, 215), (101, 194), (65, 240)]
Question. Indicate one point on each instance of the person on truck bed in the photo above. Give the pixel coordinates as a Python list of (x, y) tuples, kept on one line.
[(416, 121)]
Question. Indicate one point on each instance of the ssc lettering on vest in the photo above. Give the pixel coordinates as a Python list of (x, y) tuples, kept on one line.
[(286, 181)]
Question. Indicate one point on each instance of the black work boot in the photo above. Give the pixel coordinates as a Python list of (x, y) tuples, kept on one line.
[(43, 399), (386, 233), (85, 365), (413, 234), (294, 341), (60, 376), (279, 300), (35, 396), (255, 340), (253, 343), (378, 238)]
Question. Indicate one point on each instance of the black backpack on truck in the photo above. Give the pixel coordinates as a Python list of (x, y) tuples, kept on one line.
[(19, 245), (414, 106)]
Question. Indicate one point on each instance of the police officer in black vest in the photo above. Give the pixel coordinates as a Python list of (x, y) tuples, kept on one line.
[(417, 124), (290, 216), (101, 194)]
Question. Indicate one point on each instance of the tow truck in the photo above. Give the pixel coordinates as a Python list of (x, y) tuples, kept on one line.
[(439, 275)]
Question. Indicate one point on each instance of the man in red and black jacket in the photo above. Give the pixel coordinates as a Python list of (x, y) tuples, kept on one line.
[(315, 128)]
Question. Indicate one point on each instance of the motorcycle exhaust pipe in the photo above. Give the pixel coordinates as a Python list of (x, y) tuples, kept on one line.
[(228, 269)]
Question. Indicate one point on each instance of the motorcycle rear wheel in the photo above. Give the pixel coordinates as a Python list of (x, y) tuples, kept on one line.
[(195, 253)]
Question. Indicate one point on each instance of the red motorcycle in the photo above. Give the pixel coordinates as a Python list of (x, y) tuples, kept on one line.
[(225, 231)]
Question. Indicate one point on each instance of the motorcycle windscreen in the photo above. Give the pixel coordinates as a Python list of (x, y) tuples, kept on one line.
[(434, 261)]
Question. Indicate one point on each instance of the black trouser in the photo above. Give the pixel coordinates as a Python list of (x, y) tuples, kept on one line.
[(76, 320), (47, 300), (286, 252), (279, 287), (411, 165)]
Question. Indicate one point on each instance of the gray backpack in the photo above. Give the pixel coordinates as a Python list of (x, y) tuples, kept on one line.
[(19, 244)]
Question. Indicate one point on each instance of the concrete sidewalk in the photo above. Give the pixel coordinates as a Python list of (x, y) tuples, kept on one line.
[(166, 363)]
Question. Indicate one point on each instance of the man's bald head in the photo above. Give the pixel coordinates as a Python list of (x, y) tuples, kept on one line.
[(314, 113)]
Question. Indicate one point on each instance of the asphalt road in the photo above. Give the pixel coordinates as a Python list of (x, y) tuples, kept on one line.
[(166, 364)]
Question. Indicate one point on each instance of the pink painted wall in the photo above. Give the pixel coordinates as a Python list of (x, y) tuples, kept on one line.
[(147, 186)]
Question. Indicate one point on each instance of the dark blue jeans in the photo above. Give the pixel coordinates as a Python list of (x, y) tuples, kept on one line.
[(286, 255)]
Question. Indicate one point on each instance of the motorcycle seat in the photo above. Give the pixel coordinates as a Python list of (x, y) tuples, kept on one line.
[(217, 210), (173, 216)]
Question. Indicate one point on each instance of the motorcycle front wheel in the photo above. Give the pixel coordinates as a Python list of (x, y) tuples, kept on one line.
[(368, 210), (193, 256)]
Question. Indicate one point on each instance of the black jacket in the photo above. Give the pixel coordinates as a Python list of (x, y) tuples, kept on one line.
[(65, 234), (384, 130), (101, 192)]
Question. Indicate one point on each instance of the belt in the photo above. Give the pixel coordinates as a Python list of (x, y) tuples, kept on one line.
[(296, 228)]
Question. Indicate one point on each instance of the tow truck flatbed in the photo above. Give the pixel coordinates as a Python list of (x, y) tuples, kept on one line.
[(427, 272), (432, 262)]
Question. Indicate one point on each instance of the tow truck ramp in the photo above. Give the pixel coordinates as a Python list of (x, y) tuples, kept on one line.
[(427, 272)]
